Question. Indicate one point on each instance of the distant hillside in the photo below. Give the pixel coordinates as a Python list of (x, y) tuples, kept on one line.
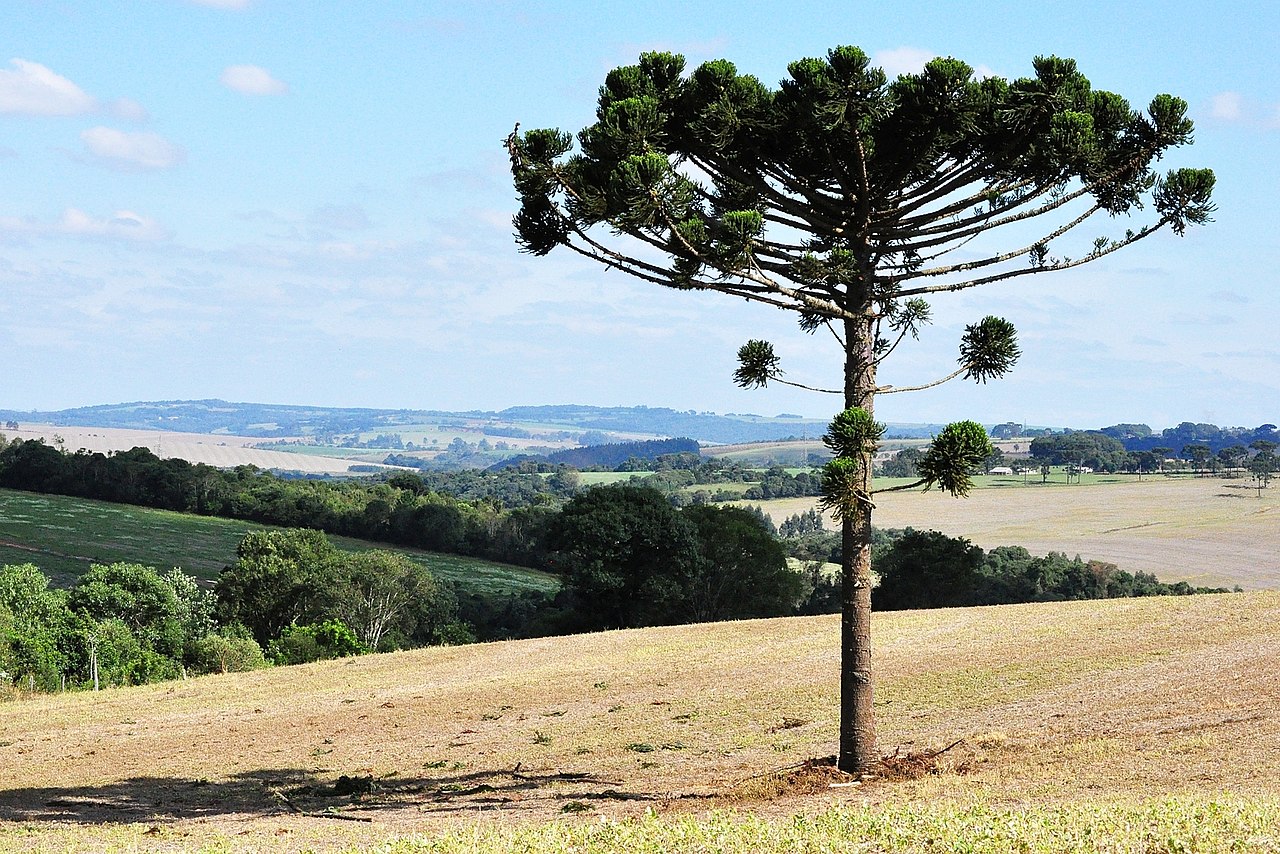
[(220, 416), (275, 420), (611, 456)]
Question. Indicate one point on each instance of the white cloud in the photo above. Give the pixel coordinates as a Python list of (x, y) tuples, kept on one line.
[(123, 224), (223, 4), (911, 60), (1228, 106), (32, 89), (902, 60), (140, 150), (252, 80), (129, 110)]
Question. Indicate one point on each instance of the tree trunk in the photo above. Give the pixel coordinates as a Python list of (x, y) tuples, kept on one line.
[(858, 751)]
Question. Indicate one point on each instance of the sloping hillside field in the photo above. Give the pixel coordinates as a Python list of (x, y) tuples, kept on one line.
[(1124, 725), (1206, 530), (64, 536)]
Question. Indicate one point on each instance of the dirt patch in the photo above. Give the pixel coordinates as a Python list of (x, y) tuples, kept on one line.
[(818, 775)]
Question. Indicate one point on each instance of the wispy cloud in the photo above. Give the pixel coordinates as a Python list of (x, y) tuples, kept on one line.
[(137, 150), (252, 80), (129, 110), (1228, 106), (121, 225), (30, 88), (1229, 296), (902, 60), (339, 218), (1235, 108), (223, 4), (911, 60)]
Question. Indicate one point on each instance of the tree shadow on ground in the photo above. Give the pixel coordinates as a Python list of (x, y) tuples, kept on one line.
[(290, 790)]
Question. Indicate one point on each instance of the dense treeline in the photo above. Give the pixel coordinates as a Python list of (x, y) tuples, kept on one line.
[(1098, 451), (1140, 437), (122, 624), (290, 597), (926, 569), (402, 511), (499, 515), (629, 558), (1101, 451)]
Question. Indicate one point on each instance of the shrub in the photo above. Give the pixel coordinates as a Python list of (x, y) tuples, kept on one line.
[(315, 642), (229, 651)]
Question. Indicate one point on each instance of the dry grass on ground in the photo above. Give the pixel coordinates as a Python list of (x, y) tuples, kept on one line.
[(1208, 531), (1061, 703)]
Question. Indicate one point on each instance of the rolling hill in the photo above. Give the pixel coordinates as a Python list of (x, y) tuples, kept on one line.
[(64, 536)]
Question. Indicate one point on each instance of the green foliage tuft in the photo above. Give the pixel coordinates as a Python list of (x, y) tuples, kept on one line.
[(956, 451), (1182, 198), (841, 482), (853, 433), (757, 364), (989, 349)]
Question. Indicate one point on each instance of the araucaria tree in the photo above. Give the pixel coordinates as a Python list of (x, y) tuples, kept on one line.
[(851, 199)]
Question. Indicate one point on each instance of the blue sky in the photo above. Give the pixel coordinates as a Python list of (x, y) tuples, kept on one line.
[(308, 202)]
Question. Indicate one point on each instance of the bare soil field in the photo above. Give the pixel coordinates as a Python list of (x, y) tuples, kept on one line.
[(1118, 702), (219, 450), (1207, 531)]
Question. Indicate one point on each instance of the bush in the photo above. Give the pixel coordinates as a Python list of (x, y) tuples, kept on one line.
[(315, 642), (228, 651)]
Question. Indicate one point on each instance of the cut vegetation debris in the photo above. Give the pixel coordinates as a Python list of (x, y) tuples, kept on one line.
[(1146, 720)]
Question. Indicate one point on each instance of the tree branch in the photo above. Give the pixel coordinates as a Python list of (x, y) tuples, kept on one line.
[(1007, 256), (889, 389), (900, 487), (1011, 274)]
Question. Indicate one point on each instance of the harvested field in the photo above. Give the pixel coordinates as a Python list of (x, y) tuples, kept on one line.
[(211, 449), (1207, 531), (1065, 706)]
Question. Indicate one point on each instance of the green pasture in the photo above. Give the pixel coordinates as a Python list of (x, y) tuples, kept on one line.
[(604, 478), (1175, 824), (63, 536)]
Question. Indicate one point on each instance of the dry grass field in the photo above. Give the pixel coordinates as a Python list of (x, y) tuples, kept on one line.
[(1139, 720), (208, 448), (1207, 531)]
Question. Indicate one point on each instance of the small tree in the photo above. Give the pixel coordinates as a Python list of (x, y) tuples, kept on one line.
[(1198, 454), (1264, 463), (627, 556), (849, 199)]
